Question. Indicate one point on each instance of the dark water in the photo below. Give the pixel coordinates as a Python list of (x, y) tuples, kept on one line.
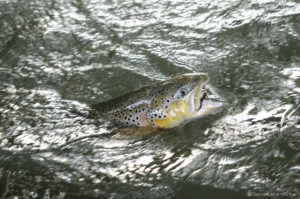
[(56, 57)]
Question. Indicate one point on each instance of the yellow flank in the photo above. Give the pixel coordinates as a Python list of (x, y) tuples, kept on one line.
[(177, 112)]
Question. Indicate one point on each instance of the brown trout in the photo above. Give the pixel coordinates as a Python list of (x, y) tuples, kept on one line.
[(164, 104)]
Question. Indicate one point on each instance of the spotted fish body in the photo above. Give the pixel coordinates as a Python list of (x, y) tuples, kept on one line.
[(164, 104)]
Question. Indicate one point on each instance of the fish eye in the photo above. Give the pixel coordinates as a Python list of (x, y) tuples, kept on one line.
[(183, 93)]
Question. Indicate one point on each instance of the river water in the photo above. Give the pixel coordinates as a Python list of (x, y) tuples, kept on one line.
[(57, 57)]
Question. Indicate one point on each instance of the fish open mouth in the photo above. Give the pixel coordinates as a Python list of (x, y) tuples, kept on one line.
[(209, 107), (201, 103)]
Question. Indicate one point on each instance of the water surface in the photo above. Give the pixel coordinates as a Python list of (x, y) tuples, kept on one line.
[(57, 57)]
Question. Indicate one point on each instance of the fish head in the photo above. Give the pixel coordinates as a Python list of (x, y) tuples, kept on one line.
[(179, 99)]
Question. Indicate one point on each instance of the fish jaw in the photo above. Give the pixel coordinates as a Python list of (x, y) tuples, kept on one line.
[(197, 94), (209, 107)]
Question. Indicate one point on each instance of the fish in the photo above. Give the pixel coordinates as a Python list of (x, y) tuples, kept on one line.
[(162, 105)]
